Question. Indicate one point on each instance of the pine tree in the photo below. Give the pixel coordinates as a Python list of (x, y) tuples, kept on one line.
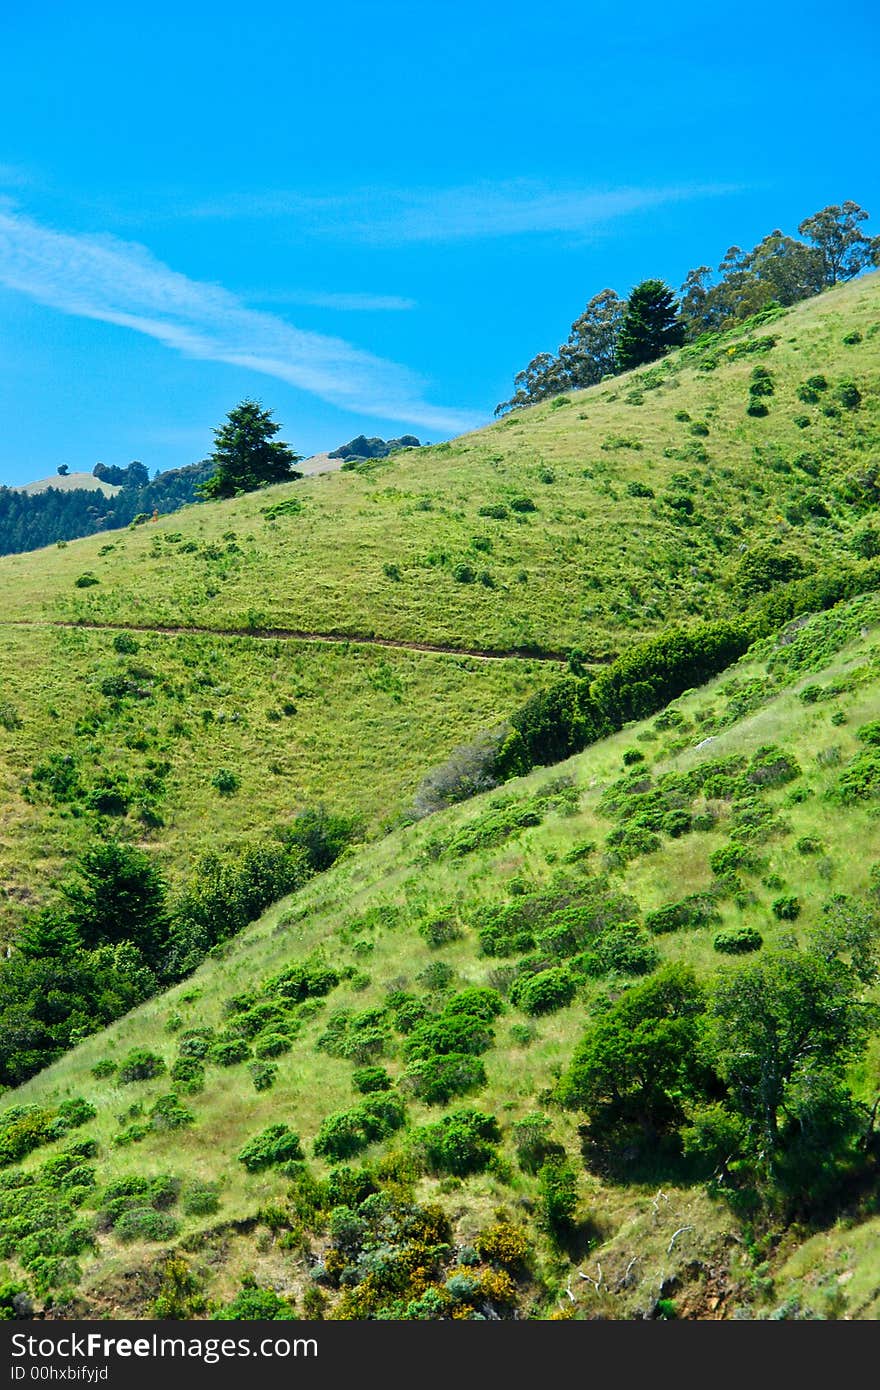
[(650, 325), (246, 455)]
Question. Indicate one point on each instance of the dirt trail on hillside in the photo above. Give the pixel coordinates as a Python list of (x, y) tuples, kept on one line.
[(289, 634)]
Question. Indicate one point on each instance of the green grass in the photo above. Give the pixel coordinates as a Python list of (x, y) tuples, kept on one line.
[(383, 552), (592, 566), (365, 913), (363, 726)]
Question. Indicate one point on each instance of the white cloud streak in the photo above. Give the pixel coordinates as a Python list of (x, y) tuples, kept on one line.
[(119, 282), (467, 212), (345, 303)]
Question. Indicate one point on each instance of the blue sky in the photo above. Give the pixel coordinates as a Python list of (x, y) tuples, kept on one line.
[(370, 216)]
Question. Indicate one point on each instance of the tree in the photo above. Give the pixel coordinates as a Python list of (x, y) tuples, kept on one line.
[(119, 895), (845, 250), (650, 325), (136, 474), (543, 377), (640, 1057), (63, 470), (785, 1026), (246, 454), (590, 352)]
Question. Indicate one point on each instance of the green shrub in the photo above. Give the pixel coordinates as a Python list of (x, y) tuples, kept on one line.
[(407, 1011), (308, 979), (523, 1034), (543, 992), (370, 1079), (522, 504), (447, 1034), (860, 780), (849, 395), (227, 1052), (263, 1075), (15, 1301), (141, 1065), (145, 1223), (436, 1079), (761, 382), (180, 1297), (772, 767), (276, 1144), (737, 941), (558, 1197), (253, 1304), (624, 948), (730, 857), (271, 1045), (132, 1134), (169, 1113), (693, 911), (786, 909), (440, 931), (226, 782), (86, 580), (477, 1002), (460, 1143), (188, 1074), (533, 1143), (348, 1132), (870, 733)]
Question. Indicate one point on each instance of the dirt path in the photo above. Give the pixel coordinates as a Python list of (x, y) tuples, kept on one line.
[(289, 634)]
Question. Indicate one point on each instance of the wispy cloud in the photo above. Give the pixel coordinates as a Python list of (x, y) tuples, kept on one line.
[(119, 282), (345, 303), (466, 212)]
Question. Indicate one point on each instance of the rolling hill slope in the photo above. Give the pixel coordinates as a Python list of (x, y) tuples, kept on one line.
[(645, 491), (584, 523), (776, 759), (385, 1098)]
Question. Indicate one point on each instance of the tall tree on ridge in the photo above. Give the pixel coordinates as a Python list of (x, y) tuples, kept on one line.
[(246, 454), (650, 326)]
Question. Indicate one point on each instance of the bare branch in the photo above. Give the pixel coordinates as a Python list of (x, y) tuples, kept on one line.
[(681, 1230)]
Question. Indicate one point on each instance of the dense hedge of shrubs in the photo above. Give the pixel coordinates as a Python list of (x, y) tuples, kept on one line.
[(576, 711)]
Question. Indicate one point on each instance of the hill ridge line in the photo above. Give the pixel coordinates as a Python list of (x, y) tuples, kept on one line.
[(284, 634)]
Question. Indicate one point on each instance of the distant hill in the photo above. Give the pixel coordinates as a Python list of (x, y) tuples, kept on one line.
[(374, 448), (80, 504), (69, 482)]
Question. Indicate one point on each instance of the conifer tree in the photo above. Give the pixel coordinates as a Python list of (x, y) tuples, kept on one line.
[(650, 325), (246, 454)]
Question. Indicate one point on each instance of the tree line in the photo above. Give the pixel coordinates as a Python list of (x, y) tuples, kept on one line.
[(115, 933), (29, 521), (614, 335)]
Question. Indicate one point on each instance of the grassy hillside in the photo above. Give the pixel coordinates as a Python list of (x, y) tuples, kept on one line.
[(650, 496), (404, 549), (772, 758), (71, 482), (298, 724)]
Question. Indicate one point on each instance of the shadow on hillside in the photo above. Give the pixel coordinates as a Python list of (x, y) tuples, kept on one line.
[(637, 1157)]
